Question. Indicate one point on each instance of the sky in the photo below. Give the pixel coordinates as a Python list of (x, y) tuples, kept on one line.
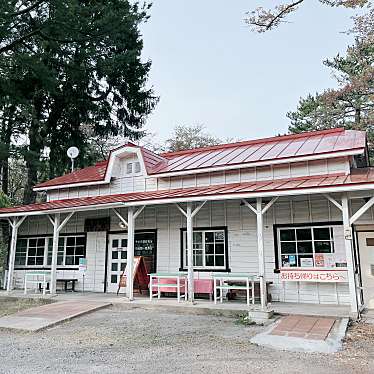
[(209, 68)]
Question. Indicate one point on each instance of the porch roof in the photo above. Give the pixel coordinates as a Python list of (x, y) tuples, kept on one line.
[(360, 179)]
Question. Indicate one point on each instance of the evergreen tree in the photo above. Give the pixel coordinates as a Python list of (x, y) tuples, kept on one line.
[(351, 105), (78, 64)]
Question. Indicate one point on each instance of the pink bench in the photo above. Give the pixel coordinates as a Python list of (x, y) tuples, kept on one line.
[(203, 286)]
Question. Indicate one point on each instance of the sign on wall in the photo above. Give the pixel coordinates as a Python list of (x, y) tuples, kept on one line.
[(82, 265), (314, 275)]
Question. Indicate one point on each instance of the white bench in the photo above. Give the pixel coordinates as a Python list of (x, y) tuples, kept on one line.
[(38, 278), (220, 283)]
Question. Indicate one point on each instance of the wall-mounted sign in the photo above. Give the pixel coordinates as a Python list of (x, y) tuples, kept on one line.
[(348, 233), (82, 265), (314, 275)]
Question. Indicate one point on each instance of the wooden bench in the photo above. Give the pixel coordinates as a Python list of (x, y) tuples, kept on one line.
[(65, 281)]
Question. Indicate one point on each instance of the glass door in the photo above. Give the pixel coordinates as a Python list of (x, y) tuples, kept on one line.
[(117, 260)]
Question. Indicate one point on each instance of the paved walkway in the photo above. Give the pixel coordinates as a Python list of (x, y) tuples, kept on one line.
[(41, 317), (304, 333), (316, 328)]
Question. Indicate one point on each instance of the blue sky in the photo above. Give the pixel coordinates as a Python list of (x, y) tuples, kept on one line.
[(209, 68)]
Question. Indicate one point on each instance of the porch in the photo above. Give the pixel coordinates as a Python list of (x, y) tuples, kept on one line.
[(247, 243), (199, 307)]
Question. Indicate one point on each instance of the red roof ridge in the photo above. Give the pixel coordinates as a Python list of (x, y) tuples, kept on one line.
[(254, 141)]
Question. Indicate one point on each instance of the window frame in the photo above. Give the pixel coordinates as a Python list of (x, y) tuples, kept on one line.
[(47, 238), (133, 165), (311, 225), (183, 252)]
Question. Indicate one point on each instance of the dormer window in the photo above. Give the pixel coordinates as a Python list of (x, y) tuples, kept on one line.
[(133, 168)]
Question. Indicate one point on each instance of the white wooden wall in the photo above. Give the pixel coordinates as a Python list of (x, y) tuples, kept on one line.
[(242, 240), (124, 184)]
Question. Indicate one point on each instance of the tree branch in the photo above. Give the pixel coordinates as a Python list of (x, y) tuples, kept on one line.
[(264, 20)]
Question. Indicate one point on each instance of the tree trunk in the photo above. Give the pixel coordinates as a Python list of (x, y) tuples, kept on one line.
[(32, 156)]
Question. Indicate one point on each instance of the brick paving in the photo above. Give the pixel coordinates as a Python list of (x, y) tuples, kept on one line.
[(41, 317), (314, 328)]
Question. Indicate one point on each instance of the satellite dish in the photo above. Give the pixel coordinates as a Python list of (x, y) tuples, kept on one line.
[(72, 153)]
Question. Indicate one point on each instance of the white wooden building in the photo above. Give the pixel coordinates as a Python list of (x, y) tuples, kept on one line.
[(296, 210)]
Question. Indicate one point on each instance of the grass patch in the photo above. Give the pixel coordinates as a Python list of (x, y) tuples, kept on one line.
[(10, 305), (245, 320)]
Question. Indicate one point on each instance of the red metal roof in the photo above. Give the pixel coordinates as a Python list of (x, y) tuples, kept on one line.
[(276, 148), (246, 152), (90, 174), (359, 177)]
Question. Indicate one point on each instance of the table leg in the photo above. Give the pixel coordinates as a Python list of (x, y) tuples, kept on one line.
[(221, 291), (253, 292), (247, 292), (185, 289), (150, 288), (215, 291), (178, 289)]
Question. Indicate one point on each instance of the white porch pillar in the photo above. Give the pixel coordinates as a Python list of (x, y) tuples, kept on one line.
[(259, 211), (348, 242), (56, 232), (15, 223), (190, 214), (57, 227), (261, 254), (190, 275), (132, 214), (130, 253)]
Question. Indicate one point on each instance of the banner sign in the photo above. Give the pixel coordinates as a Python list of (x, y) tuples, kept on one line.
[(314, 275)]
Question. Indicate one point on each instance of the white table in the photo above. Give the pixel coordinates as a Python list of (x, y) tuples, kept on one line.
[(180, 285), (220, 283), (36, 278)]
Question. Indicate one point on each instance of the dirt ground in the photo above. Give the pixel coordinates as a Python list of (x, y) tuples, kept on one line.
[(12, 305), (143, 341)]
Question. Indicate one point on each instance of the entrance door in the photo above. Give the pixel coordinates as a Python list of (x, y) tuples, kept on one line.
[(117, 259), (366, 249)]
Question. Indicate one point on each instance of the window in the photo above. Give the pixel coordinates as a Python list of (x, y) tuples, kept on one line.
[(129, 168), (38, 251), (306, 246), (133, 168), (209, 249), (35, 251), (70, 250), (21, 252), (74, 249)]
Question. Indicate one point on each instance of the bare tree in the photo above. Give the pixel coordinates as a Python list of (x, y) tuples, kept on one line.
[(261, 19)]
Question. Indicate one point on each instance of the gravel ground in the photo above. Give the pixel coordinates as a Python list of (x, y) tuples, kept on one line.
[(143, 341)]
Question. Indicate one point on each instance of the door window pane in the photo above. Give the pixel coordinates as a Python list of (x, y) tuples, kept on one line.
[(114, 255)]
